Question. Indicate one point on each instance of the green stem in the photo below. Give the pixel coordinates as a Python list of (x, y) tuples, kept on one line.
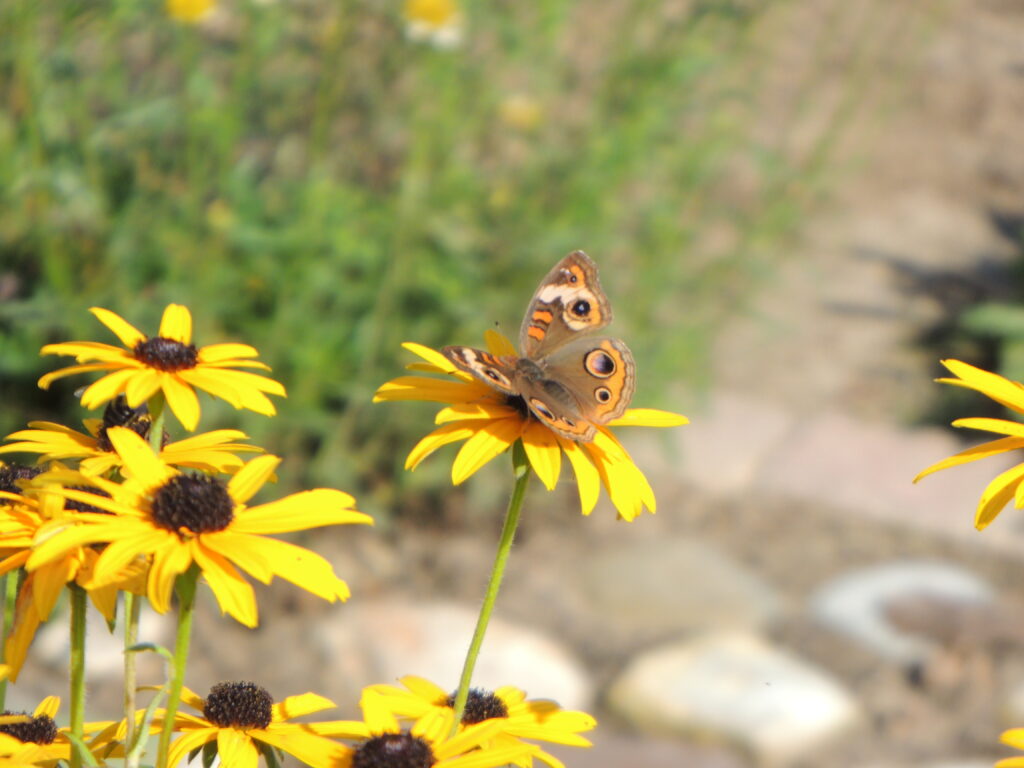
[(186, 588), (521, 469), (12, 585), (156, 426), (78, 608), (132, 609)]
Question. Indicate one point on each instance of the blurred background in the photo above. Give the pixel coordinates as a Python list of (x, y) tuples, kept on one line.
[(798, 208)]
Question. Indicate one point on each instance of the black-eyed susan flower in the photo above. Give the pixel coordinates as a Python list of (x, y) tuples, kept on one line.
[(381, 742), (490, 423), (1006, 486), (520, 718), (242, 720), (177, 519), (168, 363), (213, 452), (438, 22), (20, 527), (37, 739)]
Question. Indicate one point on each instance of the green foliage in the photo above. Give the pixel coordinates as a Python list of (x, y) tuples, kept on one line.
[(1005, 323), (308, 180)]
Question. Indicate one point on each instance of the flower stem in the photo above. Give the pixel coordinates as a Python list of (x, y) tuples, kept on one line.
[(521, 470), (78, 607), (12, 585), (132, 607), (186, 589), (156, 427)]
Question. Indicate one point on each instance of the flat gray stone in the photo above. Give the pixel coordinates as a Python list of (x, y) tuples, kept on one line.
[(736, 688), (381, 642), (859, 604)]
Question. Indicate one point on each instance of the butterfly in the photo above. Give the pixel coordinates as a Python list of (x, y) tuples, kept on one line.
[(571, 381)]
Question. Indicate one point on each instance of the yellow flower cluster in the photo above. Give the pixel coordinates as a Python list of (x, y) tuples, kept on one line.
[(121, 508)]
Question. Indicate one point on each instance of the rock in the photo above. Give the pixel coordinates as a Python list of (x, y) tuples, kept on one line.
[(381, 642), (734, 687), (882, 605), (668, 586)]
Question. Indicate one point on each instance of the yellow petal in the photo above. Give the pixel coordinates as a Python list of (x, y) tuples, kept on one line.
[(140, 461), (1014, 737), (626, 485), (187, 742), (140, 387), (217, 353), (477, 410), (1002, 390), (125, 331), (983, 451), (1001, 426), (489, 440), (376, 714), (300, 511), (309, 749), (171, 558), (48, 707), (236, 749), (432, 356), (234, 594), (46, 380), (543, 452), (176, 324), (649, 417), (498, 343), (297, 706), (102, 390), (250, 478), (996, 495), (449, 433), (182, 401), (432, 390)]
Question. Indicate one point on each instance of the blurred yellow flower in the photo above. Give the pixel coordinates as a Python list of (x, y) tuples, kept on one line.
[(521, 112), (190, 11), (167, 362), (381, 741), (243, 721), (490, 423), (421, 700), (438, 22), (1008, 485)]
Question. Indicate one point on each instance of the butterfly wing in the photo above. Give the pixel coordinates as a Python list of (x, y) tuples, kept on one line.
[(568, 301), (584, 383), (494, 370)]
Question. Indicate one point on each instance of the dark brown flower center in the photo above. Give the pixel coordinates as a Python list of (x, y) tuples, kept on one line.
[(166, 354), (197, 503), (394, 750), (39, 730), (480, 706), (81, 506), (10, 474), (238, 705)]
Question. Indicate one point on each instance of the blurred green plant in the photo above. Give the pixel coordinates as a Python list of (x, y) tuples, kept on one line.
[(305, 177), (1003, 323)]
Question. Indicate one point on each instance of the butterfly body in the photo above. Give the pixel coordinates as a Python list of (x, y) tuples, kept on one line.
[(571, 381)]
